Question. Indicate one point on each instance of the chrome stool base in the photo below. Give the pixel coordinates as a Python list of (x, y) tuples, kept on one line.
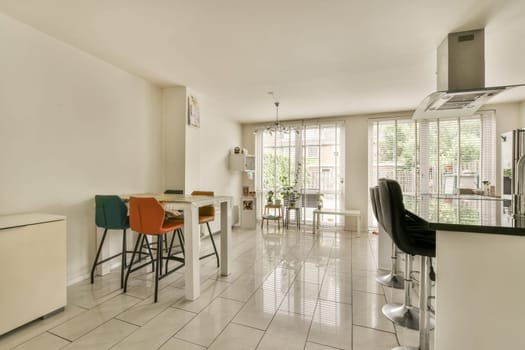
[(402, 315), (391, 280)]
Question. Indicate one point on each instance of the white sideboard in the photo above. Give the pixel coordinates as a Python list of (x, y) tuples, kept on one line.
[(32, 267)]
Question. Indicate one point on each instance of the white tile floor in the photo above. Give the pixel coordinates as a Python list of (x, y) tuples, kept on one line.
[(287, 290)]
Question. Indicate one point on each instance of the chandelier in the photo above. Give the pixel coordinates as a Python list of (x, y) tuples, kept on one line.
[(277, 127)]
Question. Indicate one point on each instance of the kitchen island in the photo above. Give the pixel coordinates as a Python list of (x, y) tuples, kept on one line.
[(480, 262)]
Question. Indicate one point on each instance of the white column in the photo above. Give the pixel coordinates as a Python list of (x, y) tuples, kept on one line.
[(192, 251)]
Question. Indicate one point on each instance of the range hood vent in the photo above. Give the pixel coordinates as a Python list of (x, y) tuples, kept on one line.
[(460, 78)]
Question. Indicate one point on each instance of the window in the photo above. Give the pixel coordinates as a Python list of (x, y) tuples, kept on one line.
[(440, 156), (311, 160)]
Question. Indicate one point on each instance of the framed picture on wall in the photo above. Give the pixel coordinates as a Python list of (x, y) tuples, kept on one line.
[(194, 118)]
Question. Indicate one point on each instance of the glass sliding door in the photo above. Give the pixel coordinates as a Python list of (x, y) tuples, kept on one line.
[(312, 161), (323, 170)]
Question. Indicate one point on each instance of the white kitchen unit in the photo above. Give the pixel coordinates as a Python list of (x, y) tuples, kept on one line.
[(242, 161), (248, 218), (32, 267)]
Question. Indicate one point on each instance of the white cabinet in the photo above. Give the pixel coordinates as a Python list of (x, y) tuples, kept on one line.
[(242, 161), (248, 219), (32, 267)]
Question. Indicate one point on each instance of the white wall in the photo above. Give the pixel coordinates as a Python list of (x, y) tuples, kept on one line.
[(522, 114), (174, 133), (196, 158), (217, 136), (71, 126)]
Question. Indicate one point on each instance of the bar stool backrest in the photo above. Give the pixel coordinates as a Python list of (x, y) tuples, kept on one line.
[(374, 192), (146, 215), (174, 192), (409, 240), (393, 210), (378, 206), (111, 212), (208, 210)]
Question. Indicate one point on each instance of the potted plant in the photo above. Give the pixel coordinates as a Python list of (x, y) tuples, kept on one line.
[(269, 197), (486, 187), (289, 192), (290, 195)]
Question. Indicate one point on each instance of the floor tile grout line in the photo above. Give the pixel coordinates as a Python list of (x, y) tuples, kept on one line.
[(328, 346), (140, 327), (183, 340), (375, 329), (277, 308), (315, 309), (310, 252), (131, 323), (84, 334), (222, 331), (47, 330), (245, 325), (50, 330), (386, 301), (56, 335)]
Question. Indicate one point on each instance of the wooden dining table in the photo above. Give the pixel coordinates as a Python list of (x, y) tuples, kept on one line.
[(190, 206)]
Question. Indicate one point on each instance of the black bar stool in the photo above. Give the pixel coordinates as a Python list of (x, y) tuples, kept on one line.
[(404, 315), (391, 279), (411, 234)]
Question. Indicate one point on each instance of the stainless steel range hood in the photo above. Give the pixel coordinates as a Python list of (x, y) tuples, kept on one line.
[(460, 78)]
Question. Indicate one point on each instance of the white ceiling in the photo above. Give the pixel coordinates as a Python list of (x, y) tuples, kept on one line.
[(321, 58)]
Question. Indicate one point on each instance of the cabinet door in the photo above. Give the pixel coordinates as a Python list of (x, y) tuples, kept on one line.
[(249, 164), (32, 271)]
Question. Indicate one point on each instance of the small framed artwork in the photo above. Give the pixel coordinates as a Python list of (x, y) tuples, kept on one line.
[(247, 204), (194, 118)]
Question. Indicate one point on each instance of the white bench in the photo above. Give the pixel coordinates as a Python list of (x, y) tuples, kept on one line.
[(343, 212)]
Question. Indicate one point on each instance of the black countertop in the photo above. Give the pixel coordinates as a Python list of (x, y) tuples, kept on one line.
[(466, 213)]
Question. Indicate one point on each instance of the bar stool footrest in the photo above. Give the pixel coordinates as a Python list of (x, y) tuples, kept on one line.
[(402, 315), (391, 280)]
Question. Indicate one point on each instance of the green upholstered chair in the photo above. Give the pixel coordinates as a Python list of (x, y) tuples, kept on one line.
[(111, 213)]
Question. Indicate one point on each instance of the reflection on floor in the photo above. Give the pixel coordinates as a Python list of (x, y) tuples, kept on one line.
[(288, 290)]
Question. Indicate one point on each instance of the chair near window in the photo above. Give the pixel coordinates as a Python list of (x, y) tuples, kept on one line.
[(111, 213), (147, 217), (273, 212)]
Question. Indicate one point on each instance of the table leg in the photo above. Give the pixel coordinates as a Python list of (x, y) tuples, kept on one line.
[(359, 226), (192, 251), (226, 230)]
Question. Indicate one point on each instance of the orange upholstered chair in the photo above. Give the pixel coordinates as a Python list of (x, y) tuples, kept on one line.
[(147, 217)]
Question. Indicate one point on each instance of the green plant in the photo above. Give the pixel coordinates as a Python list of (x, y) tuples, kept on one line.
[(269, 196), (289, 191), (321, 197)]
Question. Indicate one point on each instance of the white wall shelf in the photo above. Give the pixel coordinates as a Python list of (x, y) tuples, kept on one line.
[(242, 161)]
